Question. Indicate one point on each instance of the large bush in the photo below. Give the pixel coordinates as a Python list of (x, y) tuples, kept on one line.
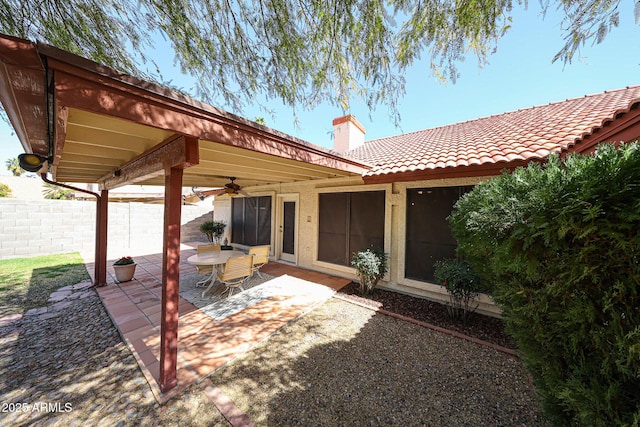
[(560, 244)]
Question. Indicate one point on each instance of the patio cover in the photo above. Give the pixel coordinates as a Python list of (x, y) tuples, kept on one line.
[(102, 119), (97, 125)]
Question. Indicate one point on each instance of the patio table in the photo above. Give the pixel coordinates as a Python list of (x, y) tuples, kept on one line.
[(214, 259)]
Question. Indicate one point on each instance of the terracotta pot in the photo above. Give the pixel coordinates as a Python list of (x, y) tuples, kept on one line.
[(124, 273)]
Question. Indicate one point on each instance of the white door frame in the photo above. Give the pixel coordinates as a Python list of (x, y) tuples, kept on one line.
[(281, 198)]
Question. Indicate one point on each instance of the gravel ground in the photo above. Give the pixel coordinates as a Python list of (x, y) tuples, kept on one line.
[(339, 365), (478, 326), (70, 368), (344, 365)]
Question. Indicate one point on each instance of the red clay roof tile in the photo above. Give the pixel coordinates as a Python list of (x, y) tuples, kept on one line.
[(526, 134)]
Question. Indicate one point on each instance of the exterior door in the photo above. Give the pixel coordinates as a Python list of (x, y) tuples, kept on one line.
[(287, 229)]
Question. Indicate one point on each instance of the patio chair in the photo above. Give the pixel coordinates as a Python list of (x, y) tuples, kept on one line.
[(206, 269), (260, 257), (236, 271)]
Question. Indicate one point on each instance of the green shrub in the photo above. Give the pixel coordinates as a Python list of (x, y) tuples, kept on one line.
[(462, 285), (371, 266), (54, 192), (561, 245), (5, 191), (125, 260), (213, 230)]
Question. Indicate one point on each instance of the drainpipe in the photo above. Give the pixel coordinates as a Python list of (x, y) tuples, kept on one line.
[(100, 254), (59, 184)]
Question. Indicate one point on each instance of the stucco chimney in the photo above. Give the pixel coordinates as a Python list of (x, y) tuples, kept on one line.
[(348, 133)]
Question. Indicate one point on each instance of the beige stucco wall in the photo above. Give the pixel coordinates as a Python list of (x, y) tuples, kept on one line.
[(24, 188), (394, 234)]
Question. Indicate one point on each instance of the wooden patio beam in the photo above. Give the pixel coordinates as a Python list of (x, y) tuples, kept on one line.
[(170, 280), (178, 152), (88, 86), (102, 216)]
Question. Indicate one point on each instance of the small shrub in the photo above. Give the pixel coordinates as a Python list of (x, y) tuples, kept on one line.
[(213, 230), (462, 285), (5, 191), (371, 266)]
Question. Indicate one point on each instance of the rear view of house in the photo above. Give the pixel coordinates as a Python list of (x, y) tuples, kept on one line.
[(412, 182)]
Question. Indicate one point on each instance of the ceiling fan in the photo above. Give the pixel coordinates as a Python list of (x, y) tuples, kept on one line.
[(231, 188)]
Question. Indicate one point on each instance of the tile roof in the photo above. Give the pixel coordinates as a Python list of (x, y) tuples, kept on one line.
[(522, 135)]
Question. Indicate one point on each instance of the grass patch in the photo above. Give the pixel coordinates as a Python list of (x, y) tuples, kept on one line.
[(26, 283)]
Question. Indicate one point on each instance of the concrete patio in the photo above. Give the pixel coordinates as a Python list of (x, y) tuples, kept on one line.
[(204, 343)]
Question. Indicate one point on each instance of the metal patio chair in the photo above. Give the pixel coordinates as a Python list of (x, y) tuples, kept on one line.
[(260, 257), (236, 271), (206, 269)]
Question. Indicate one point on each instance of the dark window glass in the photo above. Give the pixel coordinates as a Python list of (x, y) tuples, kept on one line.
[(251, 220), (237, 219), (332, 239), (348, 223), (429, 237), (288, 238)]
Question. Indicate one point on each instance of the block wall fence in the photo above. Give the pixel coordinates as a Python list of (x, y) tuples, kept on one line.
[(45, 227)]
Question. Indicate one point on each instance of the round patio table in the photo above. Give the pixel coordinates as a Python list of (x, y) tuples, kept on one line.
[(215, 260)]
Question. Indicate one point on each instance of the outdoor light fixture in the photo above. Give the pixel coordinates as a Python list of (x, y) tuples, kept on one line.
[(33, 162)]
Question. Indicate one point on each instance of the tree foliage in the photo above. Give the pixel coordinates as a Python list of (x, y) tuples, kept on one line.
[(54, 192), (303, 52), (560, 245), (13, 166)]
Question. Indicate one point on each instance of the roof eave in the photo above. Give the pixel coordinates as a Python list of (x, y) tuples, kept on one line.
[(624, 126), (23, 92), (490, 169)]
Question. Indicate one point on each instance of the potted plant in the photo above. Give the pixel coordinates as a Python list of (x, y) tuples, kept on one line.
[(213, 230), (371, 266), (124, 269)]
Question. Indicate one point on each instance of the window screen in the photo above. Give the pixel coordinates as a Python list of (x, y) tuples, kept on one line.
[(429, 237), (251, 220), (348, 223)]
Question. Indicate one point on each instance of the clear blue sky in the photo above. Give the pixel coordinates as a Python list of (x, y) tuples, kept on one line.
[(519, 75)]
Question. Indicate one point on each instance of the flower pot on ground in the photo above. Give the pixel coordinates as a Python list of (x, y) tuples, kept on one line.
[(124, 269)]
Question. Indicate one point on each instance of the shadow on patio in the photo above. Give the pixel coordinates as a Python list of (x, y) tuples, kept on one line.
[(207, 342)]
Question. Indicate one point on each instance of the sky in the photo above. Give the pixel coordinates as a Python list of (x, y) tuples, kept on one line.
[(520, 74)]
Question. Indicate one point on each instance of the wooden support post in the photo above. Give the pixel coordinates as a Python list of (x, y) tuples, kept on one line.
[(100, 255), (170, 279)]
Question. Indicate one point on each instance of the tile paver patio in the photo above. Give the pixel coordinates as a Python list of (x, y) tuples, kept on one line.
[(204, 344)]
